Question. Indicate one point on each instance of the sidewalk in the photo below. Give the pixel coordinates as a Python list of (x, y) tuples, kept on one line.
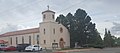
[(74, 50)]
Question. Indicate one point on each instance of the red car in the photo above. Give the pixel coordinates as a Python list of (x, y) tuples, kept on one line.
[(9, 48)]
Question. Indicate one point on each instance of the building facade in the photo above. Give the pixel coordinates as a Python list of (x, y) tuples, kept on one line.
[(49, 34)]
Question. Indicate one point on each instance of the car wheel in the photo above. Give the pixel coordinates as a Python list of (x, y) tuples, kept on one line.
[(33, 50), (5, 50), (19, 50), (41, 49)]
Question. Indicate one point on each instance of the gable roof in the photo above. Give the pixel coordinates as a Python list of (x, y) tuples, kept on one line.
[(20, 32)]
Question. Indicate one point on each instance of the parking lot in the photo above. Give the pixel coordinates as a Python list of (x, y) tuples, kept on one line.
[(24, 52)]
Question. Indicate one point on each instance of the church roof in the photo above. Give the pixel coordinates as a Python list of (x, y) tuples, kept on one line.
[(21, 32), (48, 11)]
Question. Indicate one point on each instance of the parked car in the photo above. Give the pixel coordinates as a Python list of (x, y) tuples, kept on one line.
[(33, 48), (2, 46), (9, 48), (21, 47)]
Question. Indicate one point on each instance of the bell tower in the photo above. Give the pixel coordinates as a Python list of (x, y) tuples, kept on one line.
[(48, 15)]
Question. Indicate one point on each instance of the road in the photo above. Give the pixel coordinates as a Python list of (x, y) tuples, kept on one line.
[(105, 50)]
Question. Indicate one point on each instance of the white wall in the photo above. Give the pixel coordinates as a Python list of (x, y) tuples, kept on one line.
[(26, 39), (50, 36)]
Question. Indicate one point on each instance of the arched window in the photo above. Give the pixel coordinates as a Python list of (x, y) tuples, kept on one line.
[(44, 16), (29, 39), (22, 40), (54, 31), (44, 31), (53, 17), (11, 40), (16, 40), (54, 40), (61, 29), (61, 39), (37, 39), (44, 41)]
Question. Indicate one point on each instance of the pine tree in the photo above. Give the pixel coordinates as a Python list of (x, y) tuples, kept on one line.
[(108, 39), (81, 29)]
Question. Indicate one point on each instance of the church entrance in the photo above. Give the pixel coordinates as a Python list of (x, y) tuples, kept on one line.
[(61, 43)]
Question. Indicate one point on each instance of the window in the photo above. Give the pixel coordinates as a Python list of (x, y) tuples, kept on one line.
[(11, 40), (29, 39), (36, 46), (44, 31), (54, 40), (44, 16), (53, 16), (61, 39), (37, 39), (61, 29), (22, 40), (38, 36), (3, 45), (16, 40), (44, 41), (53, 31)]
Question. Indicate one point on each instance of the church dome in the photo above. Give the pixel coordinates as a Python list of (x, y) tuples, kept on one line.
[(48, 11)]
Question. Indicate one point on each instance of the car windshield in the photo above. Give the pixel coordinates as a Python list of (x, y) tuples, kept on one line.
[(3, 45), (10, 46), (36, 46), (30, 46)]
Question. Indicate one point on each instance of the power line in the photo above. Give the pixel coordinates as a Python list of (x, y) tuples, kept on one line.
[(71, 6), (25, 4)]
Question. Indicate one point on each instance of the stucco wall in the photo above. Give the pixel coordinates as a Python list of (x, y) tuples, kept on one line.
[(19, 37), (50, 36)]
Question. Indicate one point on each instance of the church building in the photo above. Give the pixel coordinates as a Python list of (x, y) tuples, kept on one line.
[(49, 34)]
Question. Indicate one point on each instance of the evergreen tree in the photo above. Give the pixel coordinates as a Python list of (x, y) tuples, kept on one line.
[(117, 41), (81, 29), (108, 39)]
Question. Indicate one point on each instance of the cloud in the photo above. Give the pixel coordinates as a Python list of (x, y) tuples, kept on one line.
[(21, 27), (27, 13), (116, 28), (8, 28), (12, 27)]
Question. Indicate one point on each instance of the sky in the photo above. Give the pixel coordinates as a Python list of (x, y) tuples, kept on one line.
[(26, 14)]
